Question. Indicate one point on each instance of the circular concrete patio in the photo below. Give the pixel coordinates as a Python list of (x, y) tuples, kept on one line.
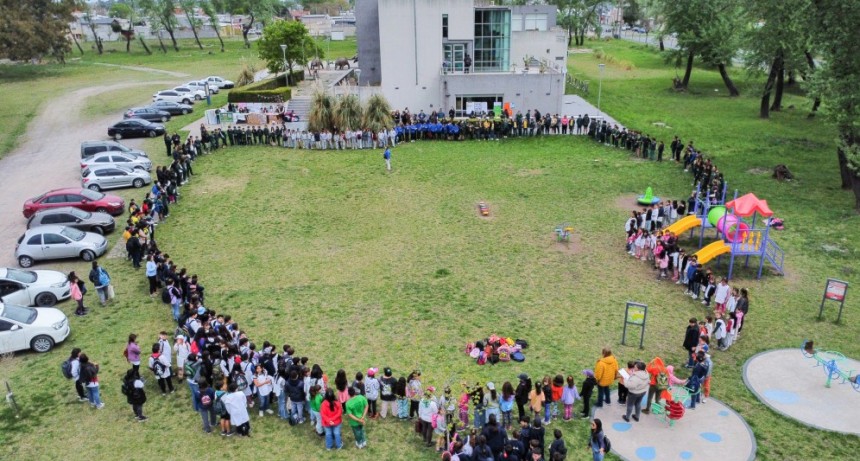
[(711, 432), (793, 385)]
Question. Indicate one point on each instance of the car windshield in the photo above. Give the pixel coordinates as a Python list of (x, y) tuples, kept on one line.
[(19, 314), (124, 168), (80, 214), (92, 195), (85, 173), (73, 234), (122, 148), (20, 276)]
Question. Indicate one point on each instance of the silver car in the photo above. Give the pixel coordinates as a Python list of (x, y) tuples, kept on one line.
[(58, 242), (100, 223), (107, 177), (117, 159)]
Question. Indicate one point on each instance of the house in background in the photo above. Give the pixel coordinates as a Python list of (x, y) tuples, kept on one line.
[(462, 54)]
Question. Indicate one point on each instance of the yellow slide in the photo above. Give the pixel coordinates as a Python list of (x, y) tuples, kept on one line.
[(684, 224), (712, 251)]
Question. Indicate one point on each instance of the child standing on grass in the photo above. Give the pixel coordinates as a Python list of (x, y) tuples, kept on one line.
[(136, 395), (536, 400), (639, 243), (371, 391), (402, 401), (547, 402), (568, 398), (314, 409), (588, 385), (463, 406), (557, 391), (506, 405)]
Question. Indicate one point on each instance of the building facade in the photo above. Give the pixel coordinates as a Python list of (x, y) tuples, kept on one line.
[(462, 55)]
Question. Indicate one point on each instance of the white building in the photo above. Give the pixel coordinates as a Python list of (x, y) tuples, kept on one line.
[(444, 54)]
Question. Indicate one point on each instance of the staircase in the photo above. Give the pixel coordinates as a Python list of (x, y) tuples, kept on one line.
[(774, 254), (300, 105)]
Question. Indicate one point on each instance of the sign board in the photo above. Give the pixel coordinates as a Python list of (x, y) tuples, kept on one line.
[(635, 314), (834, 290), (211, 118), (338, 35), (226, 117), (497, 108)]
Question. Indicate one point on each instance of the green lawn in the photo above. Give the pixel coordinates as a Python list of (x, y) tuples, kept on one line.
[(357, 268)]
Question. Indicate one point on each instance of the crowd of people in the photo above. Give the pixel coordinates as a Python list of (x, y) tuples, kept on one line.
[(228, 374)]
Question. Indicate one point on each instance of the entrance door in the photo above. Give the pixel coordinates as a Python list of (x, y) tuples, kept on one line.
[(455, 55)]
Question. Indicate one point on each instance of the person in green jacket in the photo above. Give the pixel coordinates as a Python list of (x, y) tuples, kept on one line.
[(356, 412)]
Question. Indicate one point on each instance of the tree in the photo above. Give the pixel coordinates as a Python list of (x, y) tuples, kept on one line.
[(32, 29), (833, 25), (577, 16), (377, 114), (295, 35), (162, 12), (88, 13), (120, 10), (330, 7), (256, 11), (778, 40), (188, 7), (209, 10), (631, 14)]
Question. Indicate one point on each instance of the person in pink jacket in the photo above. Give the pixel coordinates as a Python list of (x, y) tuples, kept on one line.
[(77, 294)]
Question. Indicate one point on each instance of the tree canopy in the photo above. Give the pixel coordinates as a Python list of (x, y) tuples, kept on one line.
[(299, 43), (34, 29)]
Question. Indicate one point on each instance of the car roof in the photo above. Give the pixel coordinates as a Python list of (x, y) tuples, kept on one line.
[(44, 229), (67, 190), (110, 152), (62, 209)]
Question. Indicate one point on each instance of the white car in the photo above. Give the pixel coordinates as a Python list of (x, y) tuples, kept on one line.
[(58, 242), (202, 85), (114, 159), (219, 82), (173, 96), (33, 288), (195, 93), (31, 328)]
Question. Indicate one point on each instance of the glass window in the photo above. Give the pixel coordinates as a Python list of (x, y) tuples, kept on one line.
[(444, 26), (516, 22), (492, 40), (535, 21), (35, 240), (54, 239), (19, 313)]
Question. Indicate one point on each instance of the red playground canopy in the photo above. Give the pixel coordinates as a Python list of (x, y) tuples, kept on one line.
[(749, 204)]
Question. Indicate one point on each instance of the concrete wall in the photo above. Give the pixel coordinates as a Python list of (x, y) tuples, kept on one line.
[(550, 45), (526, 91), (367, 21)]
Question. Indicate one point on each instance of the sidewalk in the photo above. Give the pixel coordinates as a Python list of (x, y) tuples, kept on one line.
[(574, 105)]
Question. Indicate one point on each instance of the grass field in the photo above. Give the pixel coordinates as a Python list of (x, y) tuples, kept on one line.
[(358, 268)]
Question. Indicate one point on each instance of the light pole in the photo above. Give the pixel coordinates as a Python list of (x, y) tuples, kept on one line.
[(601, 66), (284, 50), (358, 82)]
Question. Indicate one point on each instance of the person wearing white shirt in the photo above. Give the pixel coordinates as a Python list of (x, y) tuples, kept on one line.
[(75, 370), (264, 384), (159, 363), (721, 295), (392, 136), (237, 408)]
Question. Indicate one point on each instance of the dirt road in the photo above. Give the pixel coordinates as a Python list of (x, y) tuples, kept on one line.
[(48, 158)]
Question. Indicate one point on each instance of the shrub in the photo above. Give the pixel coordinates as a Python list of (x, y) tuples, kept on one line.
[(277, 95)]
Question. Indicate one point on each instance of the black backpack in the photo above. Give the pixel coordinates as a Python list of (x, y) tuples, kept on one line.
[(607, 446), (165, 295)]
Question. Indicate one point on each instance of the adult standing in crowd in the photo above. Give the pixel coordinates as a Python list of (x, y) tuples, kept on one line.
[(605, 372), (101, 280), (637, 385), (132, 353)]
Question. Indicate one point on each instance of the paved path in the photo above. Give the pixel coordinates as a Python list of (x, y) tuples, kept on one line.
[(574, 105), (48, 158), (711, 432), (149, 70), (792, 385)]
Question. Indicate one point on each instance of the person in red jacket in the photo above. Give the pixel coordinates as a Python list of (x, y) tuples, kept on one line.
[(331, 413)]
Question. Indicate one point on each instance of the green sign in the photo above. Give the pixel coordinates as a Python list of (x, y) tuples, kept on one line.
[(635, 314)]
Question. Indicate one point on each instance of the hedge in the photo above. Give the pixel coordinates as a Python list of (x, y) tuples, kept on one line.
[(249, 94)]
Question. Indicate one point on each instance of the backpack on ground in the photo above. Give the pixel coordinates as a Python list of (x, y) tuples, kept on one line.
[(482, 358), (518, 357), (66, 368), (523, 343)]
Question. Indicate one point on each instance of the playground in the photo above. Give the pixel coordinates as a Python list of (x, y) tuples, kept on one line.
[(711, 432), (807, 385)]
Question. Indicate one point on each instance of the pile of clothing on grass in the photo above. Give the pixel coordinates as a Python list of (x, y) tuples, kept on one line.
[(495, 349)]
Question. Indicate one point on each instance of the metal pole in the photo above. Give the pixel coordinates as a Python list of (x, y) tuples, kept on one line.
[(284, 50), (600, 66)]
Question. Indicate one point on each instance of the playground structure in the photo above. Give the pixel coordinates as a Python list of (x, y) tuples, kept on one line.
[(483, 209), (562, 232), (830, 362), (674, 407), (648, 198), (735, 236)]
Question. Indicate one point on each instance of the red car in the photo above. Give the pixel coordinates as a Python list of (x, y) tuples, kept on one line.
[(84, 199)]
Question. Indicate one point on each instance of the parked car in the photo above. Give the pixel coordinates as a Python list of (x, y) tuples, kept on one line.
[(83, 199), (202, 85), (33, 288), (58, 242), (134, 127), (193, 92), (172, 108), (90, 148), (173, 96), (640, 30), (113, 177), (147, 113), (38, 328), (100, 223), (117, 159), (219, 82)]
